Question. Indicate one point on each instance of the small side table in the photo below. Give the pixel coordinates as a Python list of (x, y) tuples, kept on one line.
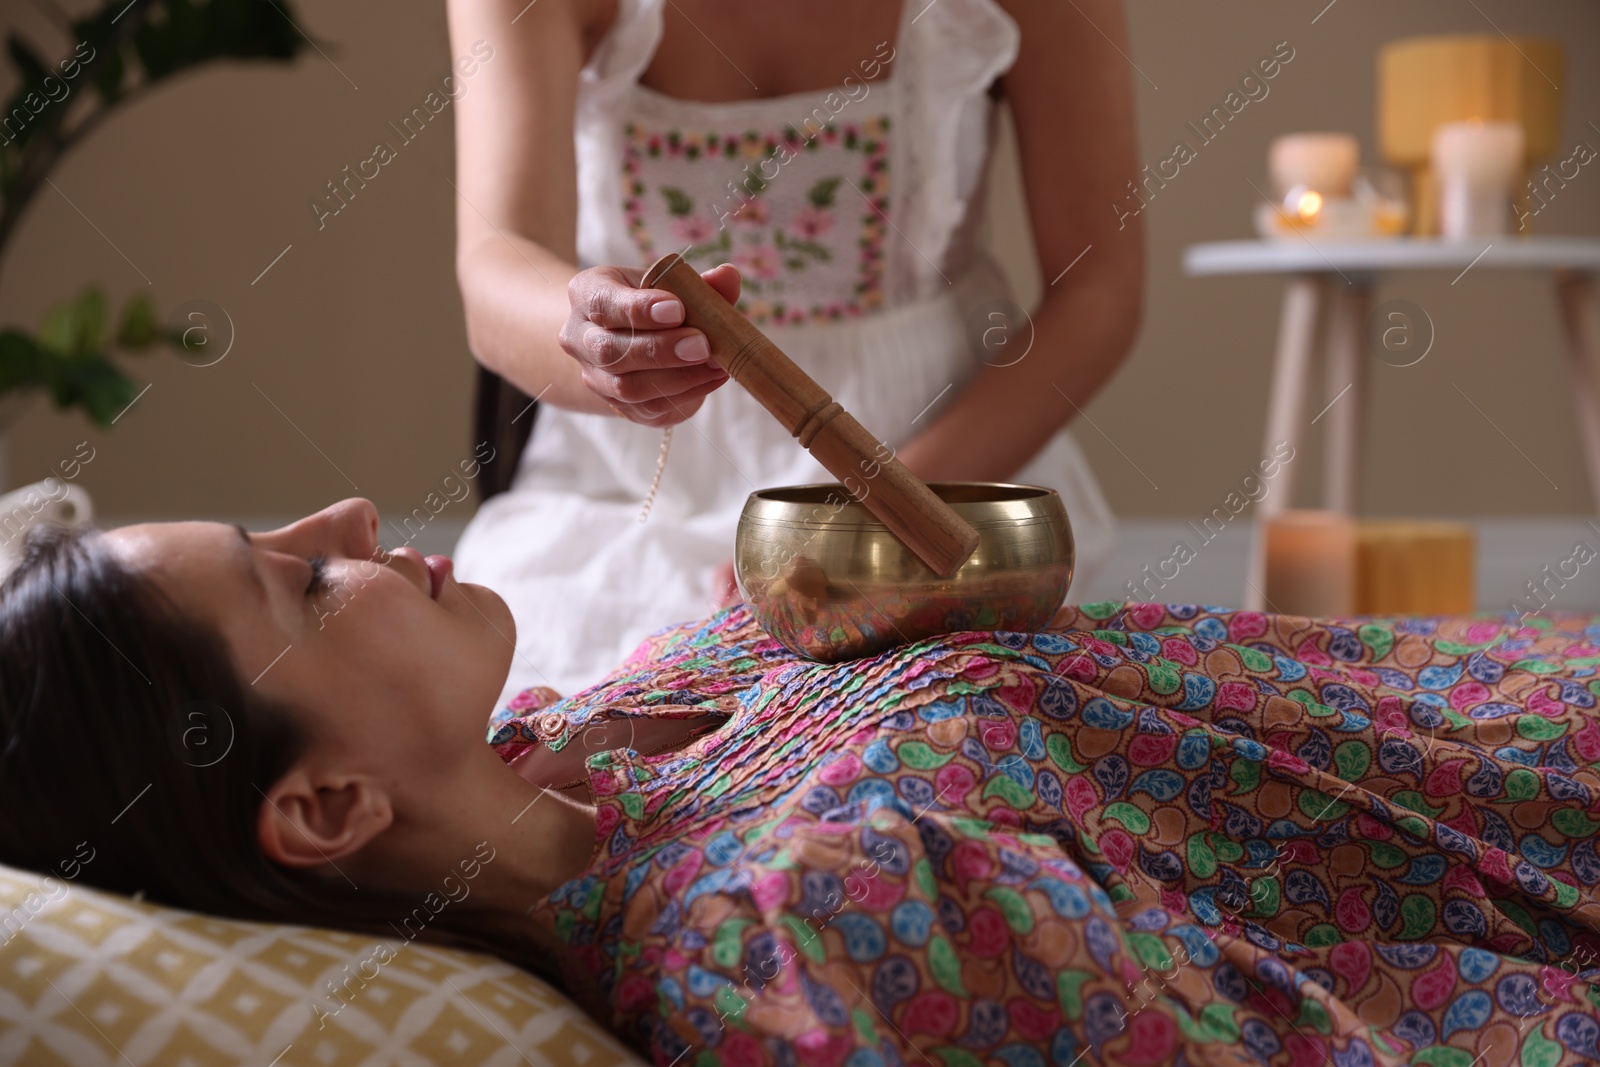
[(1335, 280)]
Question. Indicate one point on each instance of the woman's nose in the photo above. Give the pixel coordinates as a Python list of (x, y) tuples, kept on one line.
[(348, 528), (354, 523)]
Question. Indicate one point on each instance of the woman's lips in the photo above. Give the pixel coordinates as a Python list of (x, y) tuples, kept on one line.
[(439, 568)]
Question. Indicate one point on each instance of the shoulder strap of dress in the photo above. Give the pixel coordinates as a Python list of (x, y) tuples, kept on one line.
[(971, 42), (950, 52), (627, 49)]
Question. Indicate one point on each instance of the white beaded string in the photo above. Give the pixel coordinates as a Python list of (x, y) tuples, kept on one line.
[(661, 466)]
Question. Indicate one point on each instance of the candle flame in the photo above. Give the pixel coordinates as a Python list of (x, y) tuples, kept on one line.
[(1309, 204)]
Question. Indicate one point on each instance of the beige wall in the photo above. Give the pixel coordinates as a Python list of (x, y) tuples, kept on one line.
[(355, 334)]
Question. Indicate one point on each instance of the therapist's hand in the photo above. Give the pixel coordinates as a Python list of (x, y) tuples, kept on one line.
[(636, 355)]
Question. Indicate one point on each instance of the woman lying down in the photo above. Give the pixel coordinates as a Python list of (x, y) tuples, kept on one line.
[(1148, 836)]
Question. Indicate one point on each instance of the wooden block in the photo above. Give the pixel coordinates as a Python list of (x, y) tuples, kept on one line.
[(1415, 568)]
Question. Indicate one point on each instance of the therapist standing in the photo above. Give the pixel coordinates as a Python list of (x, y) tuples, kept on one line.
[(834, 153)]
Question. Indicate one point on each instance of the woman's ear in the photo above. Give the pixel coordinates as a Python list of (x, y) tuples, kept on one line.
[(309, 822)]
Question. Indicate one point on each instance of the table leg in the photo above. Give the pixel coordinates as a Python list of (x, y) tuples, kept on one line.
[(1581, 316), (1346, 396), (1303, 300)]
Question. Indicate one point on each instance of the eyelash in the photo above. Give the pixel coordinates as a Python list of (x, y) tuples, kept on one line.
[(319, 575)]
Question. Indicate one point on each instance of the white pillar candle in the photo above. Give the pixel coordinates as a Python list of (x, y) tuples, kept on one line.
[(1323, 163), (1475, 165)]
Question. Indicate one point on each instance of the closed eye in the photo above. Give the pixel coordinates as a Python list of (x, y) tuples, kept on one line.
[(319, 575)]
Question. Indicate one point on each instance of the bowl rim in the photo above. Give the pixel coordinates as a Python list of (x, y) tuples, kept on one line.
[(1024, 505)]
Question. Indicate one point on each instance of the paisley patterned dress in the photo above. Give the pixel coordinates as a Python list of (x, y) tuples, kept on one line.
[(1150, 835)]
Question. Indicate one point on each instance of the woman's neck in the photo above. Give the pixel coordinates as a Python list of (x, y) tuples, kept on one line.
[(495, 846), (540, 844)]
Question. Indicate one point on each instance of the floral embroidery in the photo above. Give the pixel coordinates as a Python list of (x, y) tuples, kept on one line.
[(809, 243)]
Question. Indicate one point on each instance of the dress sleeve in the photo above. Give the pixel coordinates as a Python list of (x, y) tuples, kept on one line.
[(626, 50)]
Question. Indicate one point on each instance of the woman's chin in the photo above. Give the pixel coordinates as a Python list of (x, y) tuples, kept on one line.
[(495, 613), (494, 610)]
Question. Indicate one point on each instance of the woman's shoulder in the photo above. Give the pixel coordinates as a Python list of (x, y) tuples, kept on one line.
[(593, 20)]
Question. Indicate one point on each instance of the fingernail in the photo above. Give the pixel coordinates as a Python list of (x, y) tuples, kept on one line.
[(692, 349), (667, 312)]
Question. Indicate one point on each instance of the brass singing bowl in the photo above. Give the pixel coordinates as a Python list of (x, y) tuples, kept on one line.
[(833, 583)]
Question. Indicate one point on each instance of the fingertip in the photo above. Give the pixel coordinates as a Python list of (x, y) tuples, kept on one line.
[(692, 348), (725, 279), (667, 311)]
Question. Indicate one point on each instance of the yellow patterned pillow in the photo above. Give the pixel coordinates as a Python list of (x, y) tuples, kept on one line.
[(89, 978)]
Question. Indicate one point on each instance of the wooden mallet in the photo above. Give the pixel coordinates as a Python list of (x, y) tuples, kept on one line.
[(899, 499)]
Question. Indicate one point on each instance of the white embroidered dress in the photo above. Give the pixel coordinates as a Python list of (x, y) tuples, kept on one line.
[(853, 216)]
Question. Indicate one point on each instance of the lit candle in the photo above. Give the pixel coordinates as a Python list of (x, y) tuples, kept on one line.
[(1311, 563), (1324, 164), (1475, 165)]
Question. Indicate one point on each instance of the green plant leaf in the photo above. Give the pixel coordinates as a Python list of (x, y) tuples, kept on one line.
[(27, 62), (109, 75), (75, 327), (248, 28), (189, 33), (94, 383), (43, 115), (138, 329), (21, 361), (153, 44), (66, 359), (89, 314), (175, 35), (157, 38)]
